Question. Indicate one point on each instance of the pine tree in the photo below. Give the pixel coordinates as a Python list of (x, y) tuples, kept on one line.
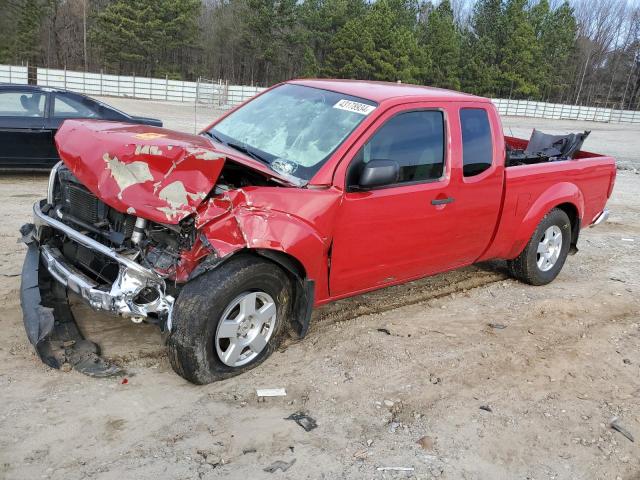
[(270, 39), (7, 27), (380, 45), (480, 56), (442, 41), (26, 46), (320, 20), (520, 70), (556, 32), (146, 36)]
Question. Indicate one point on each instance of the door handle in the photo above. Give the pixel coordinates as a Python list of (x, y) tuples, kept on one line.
[(442, 201)]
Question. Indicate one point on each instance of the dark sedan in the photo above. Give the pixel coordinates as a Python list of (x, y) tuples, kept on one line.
[(30, 117)]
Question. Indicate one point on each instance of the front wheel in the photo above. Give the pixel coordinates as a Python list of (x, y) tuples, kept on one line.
[(542, 259), (229, 319)]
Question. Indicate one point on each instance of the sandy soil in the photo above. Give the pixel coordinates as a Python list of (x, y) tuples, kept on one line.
[(378, 372)]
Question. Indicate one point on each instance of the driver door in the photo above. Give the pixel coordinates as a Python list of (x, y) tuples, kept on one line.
[(396, 232)]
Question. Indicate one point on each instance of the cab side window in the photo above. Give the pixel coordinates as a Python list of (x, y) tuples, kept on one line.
[(22, 104), (67, 107), (477, 143), (414, 140)]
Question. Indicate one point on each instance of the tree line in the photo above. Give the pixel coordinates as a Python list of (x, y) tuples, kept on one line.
[(577, 52)]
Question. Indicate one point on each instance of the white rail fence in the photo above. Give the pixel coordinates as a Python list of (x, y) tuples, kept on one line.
[(222, 95), (13, 74), (558, 111), (219, 94)]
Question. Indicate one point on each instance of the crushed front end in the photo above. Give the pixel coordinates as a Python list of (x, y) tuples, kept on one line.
[(115, 262)]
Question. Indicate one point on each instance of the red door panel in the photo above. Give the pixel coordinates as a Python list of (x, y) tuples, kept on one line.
[(402, 232), (391, 234)]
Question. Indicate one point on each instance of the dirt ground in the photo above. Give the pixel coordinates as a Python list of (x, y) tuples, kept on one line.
[(379, 372)]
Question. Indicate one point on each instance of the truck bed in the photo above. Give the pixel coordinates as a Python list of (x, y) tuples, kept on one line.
[(534, 188)]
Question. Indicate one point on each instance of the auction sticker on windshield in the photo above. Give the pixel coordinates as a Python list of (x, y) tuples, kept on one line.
[(355, 107)]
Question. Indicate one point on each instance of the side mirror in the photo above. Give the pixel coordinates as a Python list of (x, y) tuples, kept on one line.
[(377, 173)]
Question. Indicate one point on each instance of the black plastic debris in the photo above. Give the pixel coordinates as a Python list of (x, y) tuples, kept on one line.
[(486, 408), (305, 421), (279, 465), (543, 147)]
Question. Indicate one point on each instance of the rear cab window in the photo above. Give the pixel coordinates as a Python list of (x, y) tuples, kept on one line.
[(22, 104), (414, 140), (477, 141)]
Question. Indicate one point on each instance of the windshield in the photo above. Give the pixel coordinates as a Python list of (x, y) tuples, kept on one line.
[(293, 128)]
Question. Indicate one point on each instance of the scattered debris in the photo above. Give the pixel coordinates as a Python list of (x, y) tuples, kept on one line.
[(628, 239), (369, 442), (486, 408), (426, 443), (66, 367), (388, 403), (361, 454), (613, 423), (626, 361), (384, 330), (248, 450), (616, 279), (396, 469), (497, 326), (393, 426), (213, 460), (271, 392), (124, 381), (9, 275), (450, 335), (531, 331), (279, 465), (305, 421)]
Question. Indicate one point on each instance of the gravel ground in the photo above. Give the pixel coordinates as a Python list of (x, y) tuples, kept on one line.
[(410, 376)]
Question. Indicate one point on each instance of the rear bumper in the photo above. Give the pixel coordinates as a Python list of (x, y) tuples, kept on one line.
[(118, 298), (600, 218)]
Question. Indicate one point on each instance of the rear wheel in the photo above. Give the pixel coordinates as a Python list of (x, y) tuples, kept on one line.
[(542, 259), (229, 320)]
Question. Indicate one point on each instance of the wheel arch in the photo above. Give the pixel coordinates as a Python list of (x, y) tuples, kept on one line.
[(564, 196), (291, 242), (303, 288)]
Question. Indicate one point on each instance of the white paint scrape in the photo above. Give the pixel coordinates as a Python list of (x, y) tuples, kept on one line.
[(148, 150), (127, 174), (174, 194), (203, 154)]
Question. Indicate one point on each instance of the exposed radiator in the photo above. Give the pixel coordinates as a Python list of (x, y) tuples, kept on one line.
[(82, 204)]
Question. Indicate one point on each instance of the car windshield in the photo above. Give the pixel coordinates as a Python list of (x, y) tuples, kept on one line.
[(293, 128)]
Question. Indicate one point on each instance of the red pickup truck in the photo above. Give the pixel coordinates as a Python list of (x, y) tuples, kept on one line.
[(314, 190)]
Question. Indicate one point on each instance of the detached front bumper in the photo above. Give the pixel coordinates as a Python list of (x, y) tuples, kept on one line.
[(123, 296), (47, 276)]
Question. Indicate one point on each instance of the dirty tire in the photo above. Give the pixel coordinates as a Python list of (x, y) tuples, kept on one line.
[(525, 267), (200, 307)]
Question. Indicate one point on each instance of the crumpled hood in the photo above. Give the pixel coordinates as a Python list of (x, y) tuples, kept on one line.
[(151, 172)]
